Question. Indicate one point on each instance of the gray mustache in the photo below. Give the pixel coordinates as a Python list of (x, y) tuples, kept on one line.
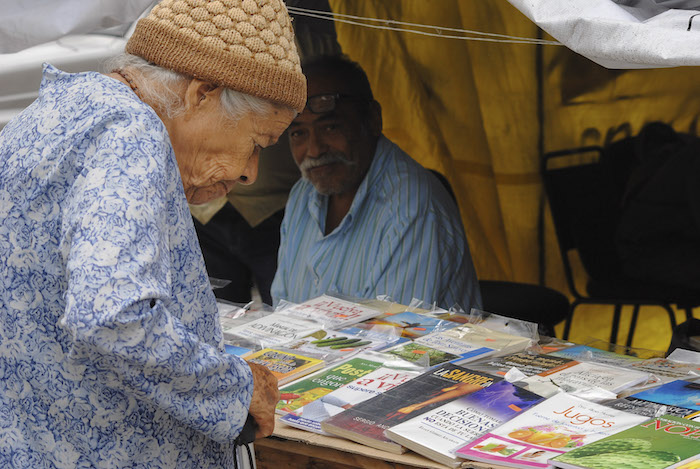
[(326, 158)]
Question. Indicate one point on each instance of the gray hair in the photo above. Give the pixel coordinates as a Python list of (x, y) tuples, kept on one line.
[(159, 88)]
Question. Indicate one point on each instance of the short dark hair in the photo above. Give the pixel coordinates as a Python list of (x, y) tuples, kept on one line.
[(345, 70)]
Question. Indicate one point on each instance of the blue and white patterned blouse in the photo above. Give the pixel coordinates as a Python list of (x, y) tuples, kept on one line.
[(402, 237), (109, 337)]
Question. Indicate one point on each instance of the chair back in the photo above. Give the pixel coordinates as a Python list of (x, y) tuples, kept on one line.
[(584, 200)]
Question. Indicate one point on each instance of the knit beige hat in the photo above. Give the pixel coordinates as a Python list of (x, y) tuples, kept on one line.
[(245, 45)]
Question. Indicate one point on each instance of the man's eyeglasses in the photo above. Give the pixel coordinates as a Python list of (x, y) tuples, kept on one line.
[(322, 103)]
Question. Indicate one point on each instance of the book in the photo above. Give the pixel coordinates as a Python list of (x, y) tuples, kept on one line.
[(273, 330), (286, 366), (679, 398), (332, 312), (503, 343), (661, 442), (437, 432), (310, 416), (365, 422), (334, 345), (449, 350), (406, 324), (666, 370), (526, 363), (577, 376), (591, 354), (557, 425), (301, 392)]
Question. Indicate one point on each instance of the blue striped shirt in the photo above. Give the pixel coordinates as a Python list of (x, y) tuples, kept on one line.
[(402, 237)]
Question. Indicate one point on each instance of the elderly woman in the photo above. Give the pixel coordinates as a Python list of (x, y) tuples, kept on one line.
[(110, 348)]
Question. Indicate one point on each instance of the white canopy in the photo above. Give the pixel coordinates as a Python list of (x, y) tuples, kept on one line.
[(30, 22), (622, 33)]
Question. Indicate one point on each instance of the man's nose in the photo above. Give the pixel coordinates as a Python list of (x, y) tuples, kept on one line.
[(250, 172), (315, 145)]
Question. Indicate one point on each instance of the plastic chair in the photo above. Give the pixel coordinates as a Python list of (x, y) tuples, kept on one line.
[(584, 187), (533, 303)]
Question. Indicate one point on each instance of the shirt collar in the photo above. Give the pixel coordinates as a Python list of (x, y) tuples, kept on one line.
[(318, 204)]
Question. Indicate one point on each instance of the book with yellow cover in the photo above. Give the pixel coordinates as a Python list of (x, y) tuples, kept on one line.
[(286, 366)]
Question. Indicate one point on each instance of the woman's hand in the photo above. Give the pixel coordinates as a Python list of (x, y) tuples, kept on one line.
[(265, 398)]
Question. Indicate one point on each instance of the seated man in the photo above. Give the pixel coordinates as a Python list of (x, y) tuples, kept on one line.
[(365, 219)]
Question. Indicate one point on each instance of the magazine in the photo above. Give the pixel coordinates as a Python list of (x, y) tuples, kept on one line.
[(526, 363)]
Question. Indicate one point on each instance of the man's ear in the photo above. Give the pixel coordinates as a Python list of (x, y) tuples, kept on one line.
[(374, 121), (200, 92)]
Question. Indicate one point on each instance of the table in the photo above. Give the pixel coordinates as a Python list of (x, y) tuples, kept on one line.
[(290, 448)]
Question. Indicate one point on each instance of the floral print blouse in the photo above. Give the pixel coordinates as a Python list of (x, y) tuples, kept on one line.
[(110, 346)]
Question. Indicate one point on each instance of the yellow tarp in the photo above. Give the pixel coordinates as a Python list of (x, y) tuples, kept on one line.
[(472, 111)]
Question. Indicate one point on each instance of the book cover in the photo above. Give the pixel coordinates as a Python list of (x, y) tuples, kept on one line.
[(437, 432), (577, 376), (475, 334), (406, 324), (334, 345), (679, 398), (273, 330), (300, 393), (658, 443), (553, 427), (651, 409), (332, 312), (286, 366), (310, 416), (528, 364), (591, 354), (436, 349), (366, 422), (666, 370)]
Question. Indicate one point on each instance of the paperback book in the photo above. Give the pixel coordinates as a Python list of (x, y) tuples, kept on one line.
[(366, 422), (443, 349), (273, 330), (590, 354), (286, 366), (666, 370), (334, 345), (310, 416), (658, 443), (313, 387), (407, 324), (332, 312), (578, 376), (678, 398), (553, 427), (437, 432), (526, 363)]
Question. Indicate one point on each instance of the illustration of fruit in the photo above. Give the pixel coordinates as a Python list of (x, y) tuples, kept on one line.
[(629, 460), (522, 435), (543, 437), (612, 446), (559, 442)]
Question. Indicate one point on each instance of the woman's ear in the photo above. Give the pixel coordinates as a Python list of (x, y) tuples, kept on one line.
[(200, 92)]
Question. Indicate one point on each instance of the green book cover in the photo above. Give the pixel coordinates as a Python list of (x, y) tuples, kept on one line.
[(658, 443), (317, 385)]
